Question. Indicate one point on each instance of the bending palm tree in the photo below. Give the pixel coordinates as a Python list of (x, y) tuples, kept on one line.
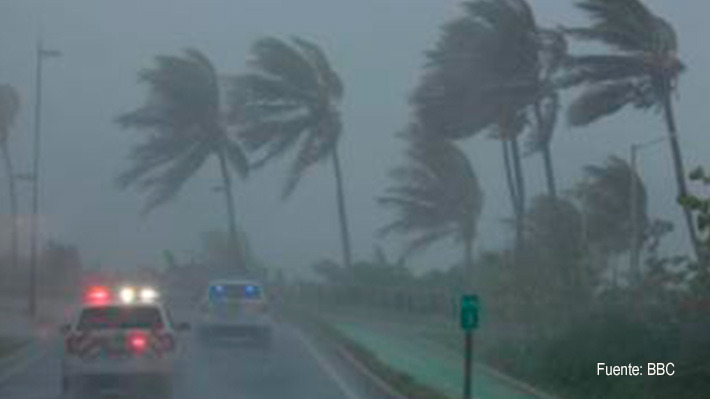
[(9, 107), (642, 71), (437, 196), (486, 74), (553, 55), (607, 210), (186, 126), (291, 102)]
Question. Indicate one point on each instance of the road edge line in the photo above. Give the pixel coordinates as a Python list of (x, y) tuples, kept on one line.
[(374, 378), (327, 367), (522, 385)]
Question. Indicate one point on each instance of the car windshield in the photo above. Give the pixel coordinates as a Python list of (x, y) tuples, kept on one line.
[(120, 317)]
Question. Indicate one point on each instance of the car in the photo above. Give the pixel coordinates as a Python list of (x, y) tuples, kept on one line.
[(126, 342), (236, 308)]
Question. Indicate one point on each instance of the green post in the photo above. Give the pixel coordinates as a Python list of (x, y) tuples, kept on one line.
[(469, 322)]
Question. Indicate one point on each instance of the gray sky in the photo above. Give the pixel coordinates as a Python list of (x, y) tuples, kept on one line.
[(376, 45)]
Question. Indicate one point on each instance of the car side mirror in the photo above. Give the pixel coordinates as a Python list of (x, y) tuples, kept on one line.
[(182, 327), (65, 329)]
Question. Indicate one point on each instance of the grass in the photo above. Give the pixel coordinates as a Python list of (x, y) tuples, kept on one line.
[(10, 346), (401, 382)]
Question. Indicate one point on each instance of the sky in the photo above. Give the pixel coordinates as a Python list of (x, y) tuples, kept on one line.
[(377, 47)]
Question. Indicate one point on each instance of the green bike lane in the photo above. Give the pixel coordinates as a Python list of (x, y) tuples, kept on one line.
[(429, 362)]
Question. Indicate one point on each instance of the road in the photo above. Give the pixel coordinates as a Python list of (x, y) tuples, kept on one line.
[(294, 368)]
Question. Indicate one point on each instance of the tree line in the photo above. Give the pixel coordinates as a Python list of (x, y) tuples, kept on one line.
[(493, 72)]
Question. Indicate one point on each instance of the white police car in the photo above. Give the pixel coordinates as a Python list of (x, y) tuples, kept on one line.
[(121, 342), (236, 308)]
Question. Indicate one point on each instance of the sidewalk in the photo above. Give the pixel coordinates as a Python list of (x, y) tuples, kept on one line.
[(406, 348)]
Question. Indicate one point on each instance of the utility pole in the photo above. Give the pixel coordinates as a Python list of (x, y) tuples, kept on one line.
[(41, 54), (635, 183), (634, 266)]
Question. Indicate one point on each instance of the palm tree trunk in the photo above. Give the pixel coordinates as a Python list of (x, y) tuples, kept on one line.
[(546, 157), (10, 171), (549, 171), (342, 212), (511, 186), (679, 168), (509, 175), (520, 189), (227, 188)]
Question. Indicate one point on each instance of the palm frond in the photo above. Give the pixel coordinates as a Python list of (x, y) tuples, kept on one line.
[(274, 133), (624, 24), (328, 78), (184, 125), (470, 82), (591, 69), (436, 192), (600, 101), (319, 144), (642, 68), (163, 186), (288, 103), (260, 89), (425, 240), (281, 61), (606, 201)]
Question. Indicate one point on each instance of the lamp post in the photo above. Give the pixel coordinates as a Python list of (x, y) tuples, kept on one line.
[(42, 53), (634, 258)]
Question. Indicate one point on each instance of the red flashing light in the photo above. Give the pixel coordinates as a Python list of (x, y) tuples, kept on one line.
[(97, 295), (138, 342)]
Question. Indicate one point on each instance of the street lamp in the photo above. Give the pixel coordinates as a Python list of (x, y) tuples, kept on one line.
[(634, 258), (41, 55)]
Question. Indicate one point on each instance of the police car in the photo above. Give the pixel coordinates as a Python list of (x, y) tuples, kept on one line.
[(236, 308), (120, 341)]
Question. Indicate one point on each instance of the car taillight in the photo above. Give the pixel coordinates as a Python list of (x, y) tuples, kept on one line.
[(138, 343)]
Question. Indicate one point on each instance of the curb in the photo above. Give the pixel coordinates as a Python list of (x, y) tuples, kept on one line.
[(493, 372), (523, 386), (379, 383), (377, 386), (358, 367)]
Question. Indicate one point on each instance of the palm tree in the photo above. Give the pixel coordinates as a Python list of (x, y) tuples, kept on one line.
[(604, 197), (486, 73), (554, 229), (641, 70), (553, 56), (186, 126), (436, 196), (9, 107), (290, 103)]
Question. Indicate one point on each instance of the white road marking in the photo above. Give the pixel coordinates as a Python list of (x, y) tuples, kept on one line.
[(327, 367)]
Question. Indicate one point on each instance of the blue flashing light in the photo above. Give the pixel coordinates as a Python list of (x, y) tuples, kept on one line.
[(216, 292), (251, 291)]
